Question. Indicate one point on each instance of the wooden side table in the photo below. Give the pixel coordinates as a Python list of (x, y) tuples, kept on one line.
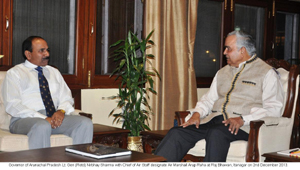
[(111, 136), (275, 157), (151, 139)]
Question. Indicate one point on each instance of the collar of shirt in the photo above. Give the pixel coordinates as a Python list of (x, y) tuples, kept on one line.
[(242, 63), (31, 66), (236, 69)]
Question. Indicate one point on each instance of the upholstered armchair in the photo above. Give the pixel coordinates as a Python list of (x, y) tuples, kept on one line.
[(269, 134), (16, 142)]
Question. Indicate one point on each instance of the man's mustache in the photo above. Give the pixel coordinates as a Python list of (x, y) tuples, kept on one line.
[(47, 58)]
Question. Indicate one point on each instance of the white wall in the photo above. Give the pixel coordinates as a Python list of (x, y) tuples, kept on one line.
[(201, 92), (93, 101)]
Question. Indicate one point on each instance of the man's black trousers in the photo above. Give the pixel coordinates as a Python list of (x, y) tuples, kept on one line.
[(179, 140)]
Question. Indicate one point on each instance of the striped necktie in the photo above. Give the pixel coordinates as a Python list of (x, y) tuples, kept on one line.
[(45, 92)]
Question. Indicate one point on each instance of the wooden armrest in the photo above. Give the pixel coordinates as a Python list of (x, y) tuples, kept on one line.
[(180, 115), (252, 149), (88, 115)]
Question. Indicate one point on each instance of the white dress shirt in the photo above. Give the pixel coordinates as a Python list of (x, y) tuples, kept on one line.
[(272, 97), (21, 92)]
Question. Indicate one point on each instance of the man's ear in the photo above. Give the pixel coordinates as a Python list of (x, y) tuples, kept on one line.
[(27, 54), (243, 50)]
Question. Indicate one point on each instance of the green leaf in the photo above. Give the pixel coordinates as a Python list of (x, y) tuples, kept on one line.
[(149, 35), (151, 42), (116, 43), (131, 58), (150, 56)]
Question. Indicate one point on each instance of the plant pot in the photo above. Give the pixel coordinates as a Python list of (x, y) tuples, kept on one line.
[(135, 143)]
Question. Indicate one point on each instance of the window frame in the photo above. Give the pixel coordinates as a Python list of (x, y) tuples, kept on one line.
[(289, 7), (85, 39)]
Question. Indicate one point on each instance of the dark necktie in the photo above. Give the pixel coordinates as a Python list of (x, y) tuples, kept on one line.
[(45, 92)]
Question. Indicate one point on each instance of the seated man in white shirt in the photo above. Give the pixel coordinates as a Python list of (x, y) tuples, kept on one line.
[(35, 111), (244, 90)]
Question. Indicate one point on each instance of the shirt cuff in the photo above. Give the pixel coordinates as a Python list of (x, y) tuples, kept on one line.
[(192, 111), (39, 115), (246, 120), (68, 111)]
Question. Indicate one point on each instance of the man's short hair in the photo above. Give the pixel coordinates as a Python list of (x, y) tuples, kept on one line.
[(244, 40), (27, 44)]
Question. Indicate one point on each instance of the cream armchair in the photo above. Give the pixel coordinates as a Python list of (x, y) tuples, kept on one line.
[(15, 142), (269, 134)]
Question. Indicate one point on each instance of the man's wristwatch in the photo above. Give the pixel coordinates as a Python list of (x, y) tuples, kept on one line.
[(242, 118), (63, 111)]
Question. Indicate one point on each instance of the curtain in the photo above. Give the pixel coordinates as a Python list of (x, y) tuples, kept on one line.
[(174, 24)]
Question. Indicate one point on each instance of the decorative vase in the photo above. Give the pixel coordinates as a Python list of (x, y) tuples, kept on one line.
[(135, 143)]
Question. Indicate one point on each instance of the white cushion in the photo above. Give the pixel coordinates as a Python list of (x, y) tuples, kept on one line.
[(4, 117), (12, 142), (237, 150), (17, 142), (284, 76), (60, 140)]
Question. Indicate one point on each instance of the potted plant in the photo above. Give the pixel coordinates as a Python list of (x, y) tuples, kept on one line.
[(131, 59)]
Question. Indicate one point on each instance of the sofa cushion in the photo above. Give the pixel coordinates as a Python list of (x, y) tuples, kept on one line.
[(16, 142), (60, 140), (4, 117), (12, 142), (237, 149), (284, 76)]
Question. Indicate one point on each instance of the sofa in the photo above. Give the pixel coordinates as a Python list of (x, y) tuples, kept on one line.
[(15, 142)]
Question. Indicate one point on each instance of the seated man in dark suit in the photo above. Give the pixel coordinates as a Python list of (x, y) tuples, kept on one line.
[(245, 89), (39, 101)]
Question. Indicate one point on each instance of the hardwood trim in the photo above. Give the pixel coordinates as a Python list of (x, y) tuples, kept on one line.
[(270, 31), (5, 68), (1, 30), (80, 44), (252, 154), (76, 94), (295, 139), (90, 64), (192, 158), (257, 3), (275, 157), (204, 82), (287, 6), (291, 91), (7, 35), (180, 116)]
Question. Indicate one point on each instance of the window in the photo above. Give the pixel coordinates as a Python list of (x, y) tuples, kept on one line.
[(208, 43), (215, 19), (54, 21), (274, 25), (114, 19), (111, 27), (78, 33), (287, 37), (251, 20)]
